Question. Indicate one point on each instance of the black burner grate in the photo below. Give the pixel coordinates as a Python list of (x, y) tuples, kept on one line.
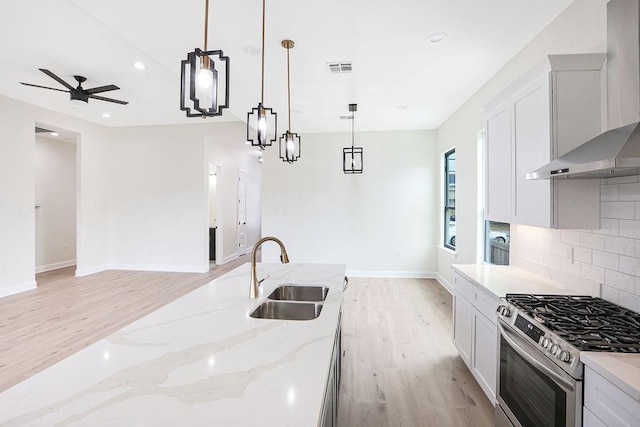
[(588, 323)]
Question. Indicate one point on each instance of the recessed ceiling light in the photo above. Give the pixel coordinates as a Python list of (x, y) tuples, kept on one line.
[(54, 133), (252, 50), (436, 37), (139, 65), (402, 107), (106, 115)]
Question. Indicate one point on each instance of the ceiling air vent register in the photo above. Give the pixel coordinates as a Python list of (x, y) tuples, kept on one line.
[(340, 67)]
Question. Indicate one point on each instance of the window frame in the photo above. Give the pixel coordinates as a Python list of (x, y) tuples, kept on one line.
[(446, 205)]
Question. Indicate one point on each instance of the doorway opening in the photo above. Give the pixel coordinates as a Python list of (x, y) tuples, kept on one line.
[(215, 225), (56, 166)]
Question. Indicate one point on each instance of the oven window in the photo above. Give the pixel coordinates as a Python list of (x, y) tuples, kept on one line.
[(534, 399)]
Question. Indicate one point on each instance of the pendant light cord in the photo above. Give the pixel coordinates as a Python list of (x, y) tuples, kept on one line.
[(289, 88), (206, 23), (263, 25), (353, 124)]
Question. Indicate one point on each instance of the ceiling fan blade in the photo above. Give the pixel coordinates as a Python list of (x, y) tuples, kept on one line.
[(44, 87), (102, 98), (56, 78), (101, 89)]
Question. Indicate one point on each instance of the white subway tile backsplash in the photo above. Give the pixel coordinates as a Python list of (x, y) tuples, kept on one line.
[(619, 210), (621, 180), (609, 193), (609, 256), (584, 255), (619, 245), (560, 249), (592, 241), (570, 237), (592, 272), (621, 281), (629, 265), (606, 260), (610, 294), (628, 192), (608, 226), (630, 229), (630, 301)]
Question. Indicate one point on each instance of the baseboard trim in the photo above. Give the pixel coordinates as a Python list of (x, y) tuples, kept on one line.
[(81, 272), (227, 259), (444, 282), (16, 289), (163, 268), (393, 274), (55, 266)]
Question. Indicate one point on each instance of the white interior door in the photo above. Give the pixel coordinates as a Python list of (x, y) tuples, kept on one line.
[(242, 212)]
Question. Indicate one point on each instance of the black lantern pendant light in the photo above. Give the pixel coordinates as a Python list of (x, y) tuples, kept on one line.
[(261, 119), (352, 160), (204, 79), (289, 141)]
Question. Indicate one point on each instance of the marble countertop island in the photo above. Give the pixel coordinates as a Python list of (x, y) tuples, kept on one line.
[(198, 361)]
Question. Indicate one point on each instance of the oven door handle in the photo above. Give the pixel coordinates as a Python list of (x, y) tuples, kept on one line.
[(510, 338)]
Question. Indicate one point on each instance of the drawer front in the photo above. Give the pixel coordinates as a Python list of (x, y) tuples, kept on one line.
[(607, 402), (463, 287), (485, 304)]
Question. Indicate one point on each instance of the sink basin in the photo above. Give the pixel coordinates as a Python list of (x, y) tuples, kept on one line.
[(287, 310), (299, 293)]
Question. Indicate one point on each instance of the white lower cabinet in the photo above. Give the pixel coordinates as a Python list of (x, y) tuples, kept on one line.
[(485, 354), (329, 415), (590, 420), (462, 327), (475, 333), (607, 405)]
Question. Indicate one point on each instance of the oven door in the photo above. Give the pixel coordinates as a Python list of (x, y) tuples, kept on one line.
[(532, 390)]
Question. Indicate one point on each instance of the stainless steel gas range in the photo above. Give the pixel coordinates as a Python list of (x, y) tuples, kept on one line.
[(541, 338)]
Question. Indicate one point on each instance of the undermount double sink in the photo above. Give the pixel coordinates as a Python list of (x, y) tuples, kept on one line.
[(292, 302)]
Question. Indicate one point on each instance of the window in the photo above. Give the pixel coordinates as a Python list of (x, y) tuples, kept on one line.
[(450, 199), (496, 241)]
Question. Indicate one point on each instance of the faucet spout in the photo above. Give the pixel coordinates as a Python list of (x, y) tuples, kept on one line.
[(284, 258)]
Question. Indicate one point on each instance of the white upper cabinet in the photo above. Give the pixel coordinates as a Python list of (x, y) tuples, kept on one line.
[(498, 165), (552, 109)]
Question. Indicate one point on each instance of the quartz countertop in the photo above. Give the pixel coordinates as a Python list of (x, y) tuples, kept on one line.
[(623, 370), (505, 279), (200, 360)]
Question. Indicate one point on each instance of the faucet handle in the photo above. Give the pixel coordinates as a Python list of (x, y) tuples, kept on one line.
[(263, 279)]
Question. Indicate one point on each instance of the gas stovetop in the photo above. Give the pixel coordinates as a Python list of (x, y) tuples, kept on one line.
[(585, 322)]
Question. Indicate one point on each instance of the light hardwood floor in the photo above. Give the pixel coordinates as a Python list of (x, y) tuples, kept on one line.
[(400, 367)]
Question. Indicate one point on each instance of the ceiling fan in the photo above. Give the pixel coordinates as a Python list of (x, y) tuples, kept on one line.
[(79, 93)]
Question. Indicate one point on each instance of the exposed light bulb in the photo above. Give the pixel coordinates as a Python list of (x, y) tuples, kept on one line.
[(262, 126), (289, 146), (353, 163), (204, 79)]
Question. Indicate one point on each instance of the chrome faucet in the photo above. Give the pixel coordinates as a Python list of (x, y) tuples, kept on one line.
[(255, 283)]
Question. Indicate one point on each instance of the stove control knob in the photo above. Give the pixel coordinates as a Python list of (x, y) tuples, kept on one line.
[(564, 356), (504, 311), (554, 348), (545, 342)]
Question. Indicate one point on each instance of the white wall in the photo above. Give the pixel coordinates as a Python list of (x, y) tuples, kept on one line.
[(159, 195), (55, 194), (17, 192), (380, 223), (580, 28)]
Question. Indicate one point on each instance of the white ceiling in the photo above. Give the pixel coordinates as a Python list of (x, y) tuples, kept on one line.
[(394, 64)]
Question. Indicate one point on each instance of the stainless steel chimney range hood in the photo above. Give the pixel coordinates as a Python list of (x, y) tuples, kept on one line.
[(617, 151)]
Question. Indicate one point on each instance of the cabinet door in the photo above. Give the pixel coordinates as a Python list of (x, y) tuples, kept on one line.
[(531, 150), (498, 166), (462, 327), (485, 354)]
